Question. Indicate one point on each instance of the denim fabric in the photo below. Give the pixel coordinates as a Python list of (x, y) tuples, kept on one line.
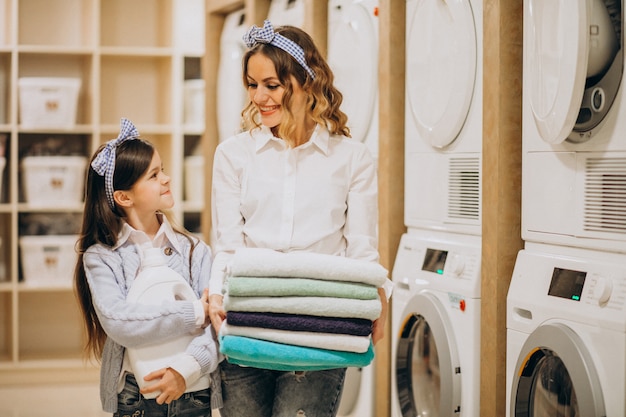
[(252, 392), (131, 403)]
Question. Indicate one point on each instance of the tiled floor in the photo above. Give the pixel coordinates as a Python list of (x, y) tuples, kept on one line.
[(51, 401)]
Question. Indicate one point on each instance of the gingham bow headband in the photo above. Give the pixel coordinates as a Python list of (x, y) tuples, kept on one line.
[(104, 162), (266, 34)]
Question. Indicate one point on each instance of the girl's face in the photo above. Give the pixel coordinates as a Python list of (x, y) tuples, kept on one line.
[(151, 192), (266, 92)]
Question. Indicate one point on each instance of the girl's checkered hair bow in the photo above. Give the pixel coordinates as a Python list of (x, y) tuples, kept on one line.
[(104, 163), (266, 34)]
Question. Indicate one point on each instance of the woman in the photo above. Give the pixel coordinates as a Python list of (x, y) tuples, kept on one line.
[(294, 181)]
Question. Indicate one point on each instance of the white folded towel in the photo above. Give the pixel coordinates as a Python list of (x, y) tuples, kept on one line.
[(342, 342), (312, 306), (262, 262)]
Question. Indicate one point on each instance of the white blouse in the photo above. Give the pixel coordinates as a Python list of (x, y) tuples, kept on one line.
[(319, 197)]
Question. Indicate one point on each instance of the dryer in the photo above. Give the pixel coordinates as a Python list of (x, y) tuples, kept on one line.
[(353, 57), (573, 124), (436, 325), (443, 120), (286, 12), (231, 94), (566, 333)]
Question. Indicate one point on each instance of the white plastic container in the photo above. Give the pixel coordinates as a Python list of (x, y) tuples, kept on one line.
[(155, 284), (3, 163), (53, 180), (48, 260), (194, 179), (194, 107), (48, 102)]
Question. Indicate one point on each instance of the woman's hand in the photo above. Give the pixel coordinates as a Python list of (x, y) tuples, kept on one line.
[(378, 329), (205, 306), (217, 314), (172, 385)]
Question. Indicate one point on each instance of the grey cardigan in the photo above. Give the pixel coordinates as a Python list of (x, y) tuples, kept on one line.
[(110, 273)]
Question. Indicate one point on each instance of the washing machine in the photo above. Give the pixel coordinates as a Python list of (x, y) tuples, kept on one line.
[(573, 124), (286, 12), (566, 333), (231, 93), (443, 119), (436, 325), (353, 57)]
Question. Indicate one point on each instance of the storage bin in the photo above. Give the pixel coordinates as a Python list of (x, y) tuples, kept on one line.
[(53, 180), (48, 102), (194, 178), (194, 103), (48, 260), (3, 163)]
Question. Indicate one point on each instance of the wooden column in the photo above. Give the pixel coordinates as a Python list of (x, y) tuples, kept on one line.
[(501, 231), (392, 18)]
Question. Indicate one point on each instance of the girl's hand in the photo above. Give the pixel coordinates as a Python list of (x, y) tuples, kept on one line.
[(216, 311), (172, 385)]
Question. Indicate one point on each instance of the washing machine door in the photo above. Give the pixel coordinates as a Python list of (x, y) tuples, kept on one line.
[(428, 374), (555, 376), (353, 57), (441, 68), (574, 65), (231, 94), (286, 12)]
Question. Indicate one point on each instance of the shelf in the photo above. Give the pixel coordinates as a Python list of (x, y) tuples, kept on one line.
[(132, 58), (119, 23), (142, 90), (55, 23)]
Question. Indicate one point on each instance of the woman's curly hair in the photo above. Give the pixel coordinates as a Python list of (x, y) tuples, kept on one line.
[(323, 99)]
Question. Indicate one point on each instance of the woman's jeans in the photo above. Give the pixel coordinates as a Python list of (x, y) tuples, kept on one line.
[(252, 392), (130, 403)]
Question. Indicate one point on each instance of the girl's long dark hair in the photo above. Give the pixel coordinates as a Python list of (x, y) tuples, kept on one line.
[(102, 224)]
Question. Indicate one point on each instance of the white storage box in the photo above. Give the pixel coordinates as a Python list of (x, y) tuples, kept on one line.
[(53, 180), (194, 179), (48, 260), (3, 163), (194, 103), (48, 102)]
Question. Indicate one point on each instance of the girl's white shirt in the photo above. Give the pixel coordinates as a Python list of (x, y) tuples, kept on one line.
[(319, 197), (186, 365)]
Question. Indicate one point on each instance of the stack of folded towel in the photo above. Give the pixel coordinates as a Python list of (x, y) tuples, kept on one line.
[(299, 311)]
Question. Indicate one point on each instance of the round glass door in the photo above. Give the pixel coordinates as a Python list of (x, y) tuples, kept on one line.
[(353, 57), (555, 377), (573, 65), (427, 367), (231, 94), (441, 68)]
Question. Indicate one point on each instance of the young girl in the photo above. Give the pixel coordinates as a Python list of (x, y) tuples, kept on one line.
[(127, 193), (295, 182)]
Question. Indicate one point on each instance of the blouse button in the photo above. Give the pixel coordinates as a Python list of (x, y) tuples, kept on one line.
[(168, 251)]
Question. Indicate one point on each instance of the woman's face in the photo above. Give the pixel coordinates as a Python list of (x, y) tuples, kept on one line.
[(266, 92)]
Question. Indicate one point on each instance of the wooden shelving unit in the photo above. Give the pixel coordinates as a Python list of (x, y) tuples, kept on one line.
[(132, 59)]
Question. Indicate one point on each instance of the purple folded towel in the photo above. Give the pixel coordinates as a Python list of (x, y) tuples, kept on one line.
[(298, 322)]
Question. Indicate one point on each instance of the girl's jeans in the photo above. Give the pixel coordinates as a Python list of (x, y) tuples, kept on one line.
[(252, 392), (130, 403)]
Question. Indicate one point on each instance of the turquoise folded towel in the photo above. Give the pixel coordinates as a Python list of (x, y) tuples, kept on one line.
[(280, 357), (297, 287)]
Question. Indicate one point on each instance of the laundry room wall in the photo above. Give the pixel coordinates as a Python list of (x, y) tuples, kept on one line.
[(502, 156), (501, 161)]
